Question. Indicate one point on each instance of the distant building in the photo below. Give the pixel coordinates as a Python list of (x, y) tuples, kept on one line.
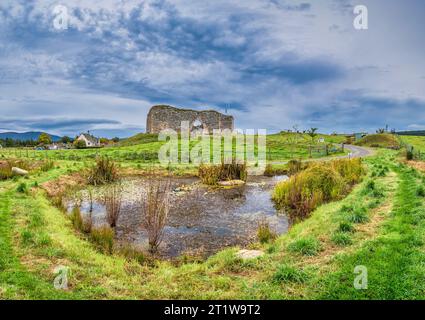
[(90, 140), (359, 135), (162, 117)]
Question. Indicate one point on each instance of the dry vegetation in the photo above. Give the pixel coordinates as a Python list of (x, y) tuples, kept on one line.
[(104, 171), (318, 184), (212, 174), (155, 205), (112, 199)]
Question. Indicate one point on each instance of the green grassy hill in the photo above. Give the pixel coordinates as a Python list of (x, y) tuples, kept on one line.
[(418, 142), (382, 140), (139, 138)]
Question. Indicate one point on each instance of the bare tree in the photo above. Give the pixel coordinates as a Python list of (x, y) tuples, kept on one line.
[(112, 199), (155, 207)]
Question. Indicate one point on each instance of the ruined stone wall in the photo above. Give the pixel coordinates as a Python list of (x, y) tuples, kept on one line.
[(164, 117)]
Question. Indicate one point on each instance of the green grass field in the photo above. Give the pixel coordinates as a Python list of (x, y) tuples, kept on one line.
[(380, 227), (418, 142), (142, 150)]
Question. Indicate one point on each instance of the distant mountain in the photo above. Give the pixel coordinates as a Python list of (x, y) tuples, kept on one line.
[(24, 136), (412, 133)]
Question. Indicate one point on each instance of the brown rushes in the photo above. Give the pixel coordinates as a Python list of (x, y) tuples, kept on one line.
[(112, 199), (154, 209), (104, 171), (212, 174)]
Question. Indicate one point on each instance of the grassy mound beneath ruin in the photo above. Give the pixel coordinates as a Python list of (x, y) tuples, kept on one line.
[(382, 140)]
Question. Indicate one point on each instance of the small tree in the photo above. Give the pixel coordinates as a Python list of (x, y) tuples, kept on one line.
[(79, 144), (312, 132), (65, 139), (44, 139)]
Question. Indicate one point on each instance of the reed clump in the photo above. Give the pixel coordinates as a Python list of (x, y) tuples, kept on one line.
[(319, 183)]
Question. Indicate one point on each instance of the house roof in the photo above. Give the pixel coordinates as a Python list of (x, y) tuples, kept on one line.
[(89, 137)]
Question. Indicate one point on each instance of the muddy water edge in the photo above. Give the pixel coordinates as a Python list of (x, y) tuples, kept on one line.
[(202, 220)]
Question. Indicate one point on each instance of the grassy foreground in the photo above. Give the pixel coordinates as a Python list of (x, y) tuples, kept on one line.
[(379, 225)]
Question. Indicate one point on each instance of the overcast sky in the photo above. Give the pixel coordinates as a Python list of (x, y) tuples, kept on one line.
[(272, 63)]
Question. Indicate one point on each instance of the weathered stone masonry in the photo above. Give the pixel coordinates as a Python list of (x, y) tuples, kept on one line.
[(167, 117)]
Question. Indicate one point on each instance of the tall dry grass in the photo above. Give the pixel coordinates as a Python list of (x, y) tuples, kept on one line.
[(104, 171), (318, 184), (155, 206), (5, 171), (212, 174), (112, 199)]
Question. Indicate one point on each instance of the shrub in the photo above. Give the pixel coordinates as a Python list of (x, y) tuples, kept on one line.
[(351, 170), (264, 232), (131, 253), (294, 166), (378, 193), (372, 189), (22, 188), (409, 155), (43, 239), (303, 192), (305, 246), (154, 210), (209, 175), (319, 183), (212, 174), (47, 165), (104, 171), (345, 227), (358, 215), (112, 199), (103, 238), (287, 273), (420, 191), (271, 171), (77, 218), (341, 239), (27, 237), (369, 187), (5, 171), (79, 144), (58, 202), (382, 173)]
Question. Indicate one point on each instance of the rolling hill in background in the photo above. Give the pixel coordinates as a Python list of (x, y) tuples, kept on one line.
[(412, 133), (24, 136)]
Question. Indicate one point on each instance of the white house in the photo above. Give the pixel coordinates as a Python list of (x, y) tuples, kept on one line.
[(90, 140)]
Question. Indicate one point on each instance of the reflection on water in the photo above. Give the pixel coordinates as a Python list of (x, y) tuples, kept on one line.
[(201, 220)]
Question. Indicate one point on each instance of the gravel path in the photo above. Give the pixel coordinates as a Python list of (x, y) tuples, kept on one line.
[(355, 152)]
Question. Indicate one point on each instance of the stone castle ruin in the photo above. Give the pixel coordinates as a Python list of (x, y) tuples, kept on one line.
[(167, 117)]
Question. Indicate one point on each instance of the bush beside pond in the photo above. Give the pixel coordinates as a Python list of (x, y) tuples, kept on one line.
[(318, 184)]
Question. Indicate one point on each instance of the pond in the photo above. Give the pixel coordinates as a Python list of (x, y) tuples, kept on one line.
[(202, 220)]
